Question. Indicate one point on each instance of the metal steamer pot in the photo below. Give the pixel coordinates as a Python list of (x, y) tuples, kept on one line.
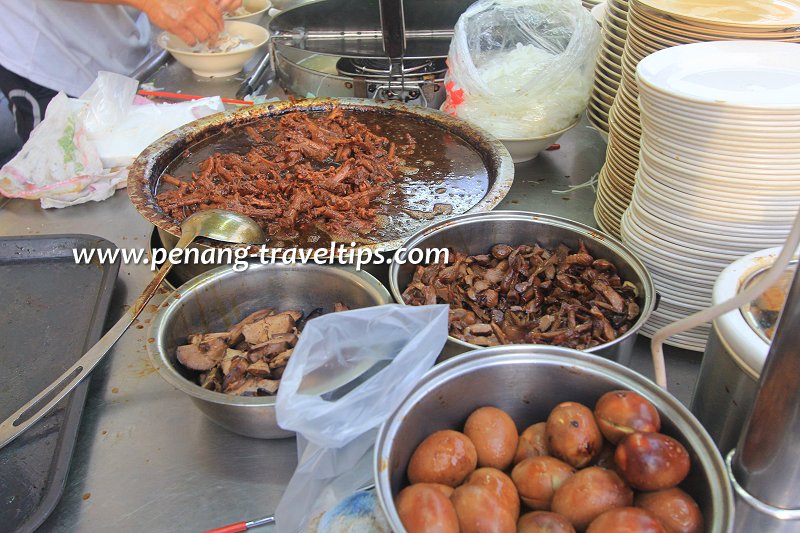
[(146, 171), (735, 354), (312, 47), (527, 382), (476, 233)]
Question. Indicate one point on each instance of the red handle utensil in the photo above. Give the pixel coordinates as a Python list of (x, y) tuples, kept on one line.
[(243, 526)]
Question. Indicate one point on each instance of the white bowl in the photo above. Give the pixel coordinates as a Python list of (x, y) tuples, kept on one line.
[(209, 64), (256, 11), (526, 149)]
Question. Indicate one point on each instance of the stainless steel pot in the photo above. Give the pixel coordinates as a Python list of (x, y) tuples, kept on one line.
[(220, 298), (477, 233), (527, 382), (307, 74), (734, 356)]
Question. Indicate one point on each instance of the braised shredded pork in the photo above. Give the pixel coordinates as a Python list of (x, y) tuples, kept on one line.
[(302, 173), (528, 295)]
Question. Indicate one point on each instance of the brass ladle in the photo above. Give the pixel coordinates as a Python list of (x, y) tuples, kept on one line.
[(217, 224)]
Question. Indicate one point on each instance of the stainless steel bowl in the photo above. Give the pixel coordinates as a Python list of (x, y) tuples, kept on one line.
[(220, 298), (476, 233), (527, 382)]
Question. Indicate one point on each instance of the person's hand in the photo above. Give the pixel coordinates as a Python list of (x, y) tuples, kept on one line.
[(192, 20)]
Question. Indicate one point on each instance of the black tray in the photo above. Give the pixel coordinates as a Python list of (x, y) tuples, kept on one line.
[(51, 311)]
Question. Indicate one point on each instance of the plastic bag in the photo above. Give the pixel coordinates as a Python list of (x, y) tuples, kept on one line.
[(81, 149), (58, 162), (377, 354), (522, 68), (122, 124)]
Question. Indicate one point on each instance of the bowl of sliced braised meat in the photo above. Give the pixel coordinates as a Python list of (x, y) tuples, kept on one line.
[(225, 337), (513, 277)]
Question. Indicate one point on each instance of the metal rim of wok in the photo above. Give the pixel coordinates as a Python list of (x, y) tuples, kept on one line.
[(148, 167), (648, 299), (168, 310)]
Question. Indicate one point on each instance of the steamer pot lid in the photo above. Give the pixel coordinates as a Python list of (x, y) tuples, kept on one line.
[(352, 28)]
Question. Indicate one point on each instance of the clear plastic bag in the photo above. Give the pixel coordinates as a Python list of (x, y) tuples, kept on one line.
[(522, 68), (348, 372), (81, 150)]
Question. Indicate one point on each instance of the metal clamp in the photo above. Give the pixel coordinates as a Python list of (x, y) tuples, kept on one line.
[(775, 512), (405, 93)]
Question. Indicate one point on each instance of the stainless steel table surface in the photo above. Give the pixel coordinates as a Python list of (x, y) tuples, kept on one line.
[(148, 460)]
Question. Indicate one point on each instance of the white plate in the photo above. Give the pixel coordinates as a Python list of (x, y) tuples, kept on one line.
[(691, 215), (662, 222), (750, 189), (780, 116), (669, 272), (730, 166), (729, 14), (663, 318), (787, 153), (691, 220), (710, 244), (659, 321), (717, 110), (684, 267), (733, 73), (712, 147), (678, 260), (748, 177), (723, 202), (709, 140)]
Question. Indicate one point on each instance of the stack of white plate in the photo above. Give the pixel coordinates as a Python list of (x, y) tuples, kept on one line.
[(719, 167), (654, 25), (608, 70)]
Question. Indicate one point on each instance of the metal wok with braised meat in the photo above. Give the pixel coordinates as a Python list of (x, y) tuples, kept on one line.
[(302, 174), (529, 295)]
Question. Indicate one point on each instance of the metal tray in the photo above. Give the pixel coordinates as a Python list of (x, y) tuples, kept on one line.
[(51, 311)]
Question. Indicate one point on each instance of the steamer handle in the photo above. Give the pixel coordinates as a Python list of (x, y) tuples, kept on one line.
[(393, 27)]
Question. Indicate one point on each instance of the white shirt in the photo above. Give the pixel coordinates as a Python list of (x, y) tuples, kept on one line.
[(62, 45)]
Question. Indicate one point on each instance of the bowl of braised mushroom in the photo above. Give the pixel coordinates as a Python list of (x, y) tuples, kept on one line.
[(514, 277), (225, 337), (544, 438)]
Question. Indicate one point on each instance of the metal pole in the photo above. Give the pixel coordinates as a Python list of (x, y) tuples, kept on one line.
[(765, 467)]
